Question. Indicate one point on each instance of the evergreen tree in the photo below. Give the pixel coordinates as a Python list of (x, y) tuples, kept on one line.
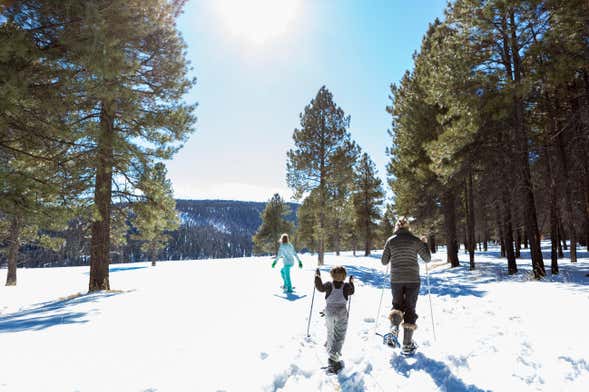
[(306, 217), (386, 226), (313, 164), (274, 223), (368, 196), (156, 216)]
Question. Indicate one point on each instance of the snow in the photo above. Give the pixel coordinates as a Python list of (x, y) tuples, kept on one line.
[(224, 325)]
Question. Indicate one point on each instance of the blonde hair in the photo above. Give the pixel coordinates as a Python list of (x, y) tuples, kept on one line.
[(338, 273), (284, 238)]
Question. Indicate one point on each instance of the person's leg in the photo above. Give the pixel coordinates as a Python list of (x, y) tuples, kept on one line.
[(409, 326), (410, 301), (339, 332), (396, 315), (283, 276), (330, 324), (287, 282)]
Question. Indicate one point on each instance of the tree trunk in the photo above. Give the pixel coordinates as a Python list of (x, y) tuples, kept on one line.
[(551, 185), (562, 235), (508, 234), (521, 141), (100, 242), (518, 243), (367, 247), (13, 247), (570, 217), (470, 219), (553, 238), (449, 207), (500, 225), (559, 240), (485, 230), (153, 255)]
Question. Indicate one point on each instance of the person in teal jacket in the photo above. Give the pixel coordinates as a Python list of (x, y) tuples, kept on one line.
[(287, 253)]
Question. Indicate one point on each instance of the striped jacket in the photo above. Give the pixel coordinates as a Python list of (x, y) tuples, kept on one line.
[(401, 251)]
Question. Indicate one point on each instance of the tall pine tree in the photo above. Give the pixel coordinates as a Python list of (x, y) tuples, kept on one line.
[(313, 164)]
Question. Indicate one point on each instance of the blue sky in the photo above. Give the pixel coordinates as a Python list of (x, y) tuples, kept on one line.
[(259, 62)]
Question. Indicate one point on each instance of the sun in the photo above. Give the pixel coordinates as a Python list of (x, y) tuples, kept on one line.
[(257, 21)]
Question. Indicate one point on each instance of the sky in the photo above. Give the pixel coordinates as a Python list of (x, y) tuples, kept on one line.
[(258, 63)]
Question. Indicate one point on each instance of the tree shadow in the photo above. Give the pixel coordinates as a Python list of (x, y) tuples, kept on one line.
[(369, 276), (454, 286), (49, 314), (438, 371), (121, 268), (290, 296)]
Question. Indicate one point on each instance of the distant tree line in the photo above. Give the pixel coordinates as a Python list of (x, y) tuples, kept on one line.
[(490, 129), (204, 229)]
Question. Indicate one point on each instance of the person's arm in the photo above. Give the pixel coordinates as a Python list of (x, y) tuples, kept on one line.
[(319, 283), (349, 287), (278, 256), (386, 254), (297, 256), (423, 251)]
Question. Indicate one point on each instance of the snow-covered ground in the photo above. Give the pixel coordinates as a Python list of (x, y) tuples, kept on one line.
[(225, 325)]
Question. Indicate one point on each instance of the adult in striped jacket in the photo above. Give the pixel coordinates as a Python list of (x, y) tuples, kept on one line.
[(401, 252)]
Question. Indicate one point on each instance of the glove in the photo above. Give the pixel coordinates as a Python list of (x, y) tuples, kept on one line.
[(351, 278), (274, 263), (318, 272), (300, 264)]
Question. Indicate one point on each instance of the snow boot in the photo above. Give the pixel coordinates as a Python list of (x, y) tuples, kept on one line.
[(392, 338), (333, 367), (409, 345)]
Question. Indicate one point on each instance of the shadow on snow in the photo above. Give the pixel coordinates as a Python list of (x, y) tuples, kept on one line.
[(49, 314), (119, 269), (290, 296), (438, 371), (455, 286)]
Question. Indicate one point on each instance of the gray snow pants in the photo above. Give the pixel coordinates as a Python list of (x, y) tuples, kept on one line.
[(337, 324)]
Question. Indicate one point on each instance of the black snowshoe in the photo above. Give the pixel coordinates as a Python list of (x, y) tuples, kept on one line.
[(409, 349), (334, 367)]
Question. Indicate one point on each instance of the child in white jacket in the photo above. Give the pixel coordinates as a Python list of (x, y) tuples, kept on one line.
[(287, 253)]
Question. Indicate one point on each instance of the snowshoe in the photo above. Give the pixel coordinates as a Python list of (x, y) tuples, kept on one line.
[(409, 349), (334, 367), (391, 340)]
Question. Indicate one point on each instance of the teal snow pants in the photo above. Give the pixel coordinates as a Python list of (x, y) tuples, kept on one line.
[(285, 273)]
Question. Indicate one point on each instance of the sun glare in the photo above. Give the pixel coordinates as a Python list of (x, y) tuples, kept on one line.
[(257, 21)]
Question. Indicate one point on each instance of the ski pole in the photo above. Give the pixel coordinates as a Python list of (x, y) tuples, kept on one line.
[(380, 302), (311, 311), (429, 294), (350, 299)]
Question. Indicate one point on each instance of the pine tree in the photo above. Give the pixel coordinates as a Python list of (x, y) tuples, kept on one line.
[(312, 164), (386, 226), (156, 216), (306, 219), (130, 68), (274, 223), (368, 196)]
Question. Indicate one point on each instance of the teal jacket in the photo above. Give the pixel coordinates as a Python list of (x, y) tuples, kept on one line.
[(288, 254)]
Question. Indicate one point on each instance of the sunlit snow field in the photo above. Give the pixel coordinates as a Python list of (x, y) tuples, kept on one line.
[(225, 325)]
